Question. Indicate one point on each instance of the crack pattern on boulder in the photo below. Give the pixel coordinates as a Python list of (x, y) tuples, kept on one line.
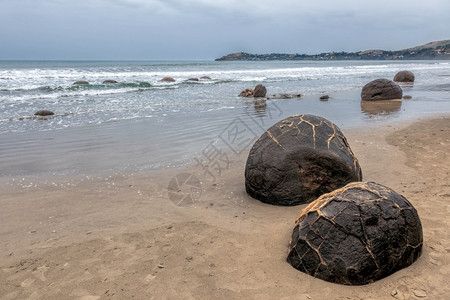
[(381, 89), (298, 159), (356, 235)]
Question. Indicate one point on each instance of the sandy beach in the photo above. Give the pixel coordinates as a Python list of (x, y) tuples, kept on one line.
[(121, 237)]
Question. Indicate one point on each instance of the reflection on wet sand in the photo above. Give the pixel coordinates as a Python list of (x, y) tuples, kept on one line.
[(260, 106), (380, 106)]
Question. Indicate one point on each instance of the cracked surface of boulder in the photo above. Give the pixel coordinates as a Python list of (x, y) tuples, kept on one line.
[(356, 235), (381, 89), (298, 159)]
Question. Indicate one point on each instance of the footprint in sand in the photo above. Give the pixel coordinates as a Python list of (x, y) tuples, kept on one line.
[(40, 272), (27, 282)]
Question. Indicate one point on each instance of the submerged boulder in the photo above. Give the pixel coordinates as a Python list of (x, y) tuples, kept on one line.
[(356, 235), (168, 79), (109, 81), (205, 77), (81, 82), (404, 76), (259, 91), (381, 89), (298, 159)]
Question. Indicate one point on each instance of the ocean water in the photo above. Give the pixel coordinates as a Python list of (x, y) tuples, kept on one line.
[(142, 123)]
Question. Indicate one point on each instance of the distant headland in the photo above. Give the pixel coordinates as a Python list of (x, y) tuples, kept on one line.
[(439, 50)]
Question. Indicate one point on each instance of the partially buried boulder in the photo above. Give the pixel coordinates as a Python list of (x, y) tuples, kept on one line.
[(298, 159), (260, 91), (381, 89), (44, 113), (356, 235), (80, 82), (247, 93), (168, 79), (404, 76)]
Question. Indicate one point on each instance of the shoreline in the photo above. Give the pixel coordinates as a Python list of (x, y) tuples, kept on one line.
[(120, 235)]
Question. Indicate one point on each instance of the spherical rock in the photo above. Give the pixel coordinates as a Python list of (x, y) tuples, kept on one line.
[(81, 82), (109, 81), (356, 235), (44, 113), (168, 79), (298, 159), (260, 91), (381, 89), (404, 76)]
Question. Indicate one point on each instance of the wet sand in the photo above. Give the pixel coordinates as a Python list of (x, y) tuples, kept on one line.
[(118, 237)]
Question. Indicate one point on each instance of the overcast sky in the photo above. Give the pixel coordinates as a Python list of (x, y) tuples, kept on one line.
[(206, 29)]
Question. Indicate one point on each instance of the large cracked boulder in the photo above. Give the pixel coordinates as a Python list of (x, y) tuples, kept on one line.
[(381, 89), (297, 160), (404, 76), (356, 235)]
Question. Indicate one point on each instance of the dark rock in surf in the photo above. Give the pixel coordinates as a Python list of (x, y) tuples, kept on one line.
[(205, 77), (193, 79), (297, 160), (44, 113), (356, 235), (324, 98), (109, 81), (404, 76), (80, 82), (381, 89)]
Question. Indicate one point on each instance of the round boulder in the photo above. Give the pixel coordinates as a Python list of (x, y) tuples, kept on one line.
[(356, 235), (259, 91), (81, 82), (404, 76), (381, 89), (297, 160), (168, 79), (44, 113)]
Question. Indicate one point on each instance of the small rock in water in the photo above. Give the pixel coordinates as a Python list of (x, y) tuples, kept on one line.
[(168, 79), (44, 113), (324, 98), (109, 81), (407, 97), (205, 77), (193, 79), (81, 82)]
